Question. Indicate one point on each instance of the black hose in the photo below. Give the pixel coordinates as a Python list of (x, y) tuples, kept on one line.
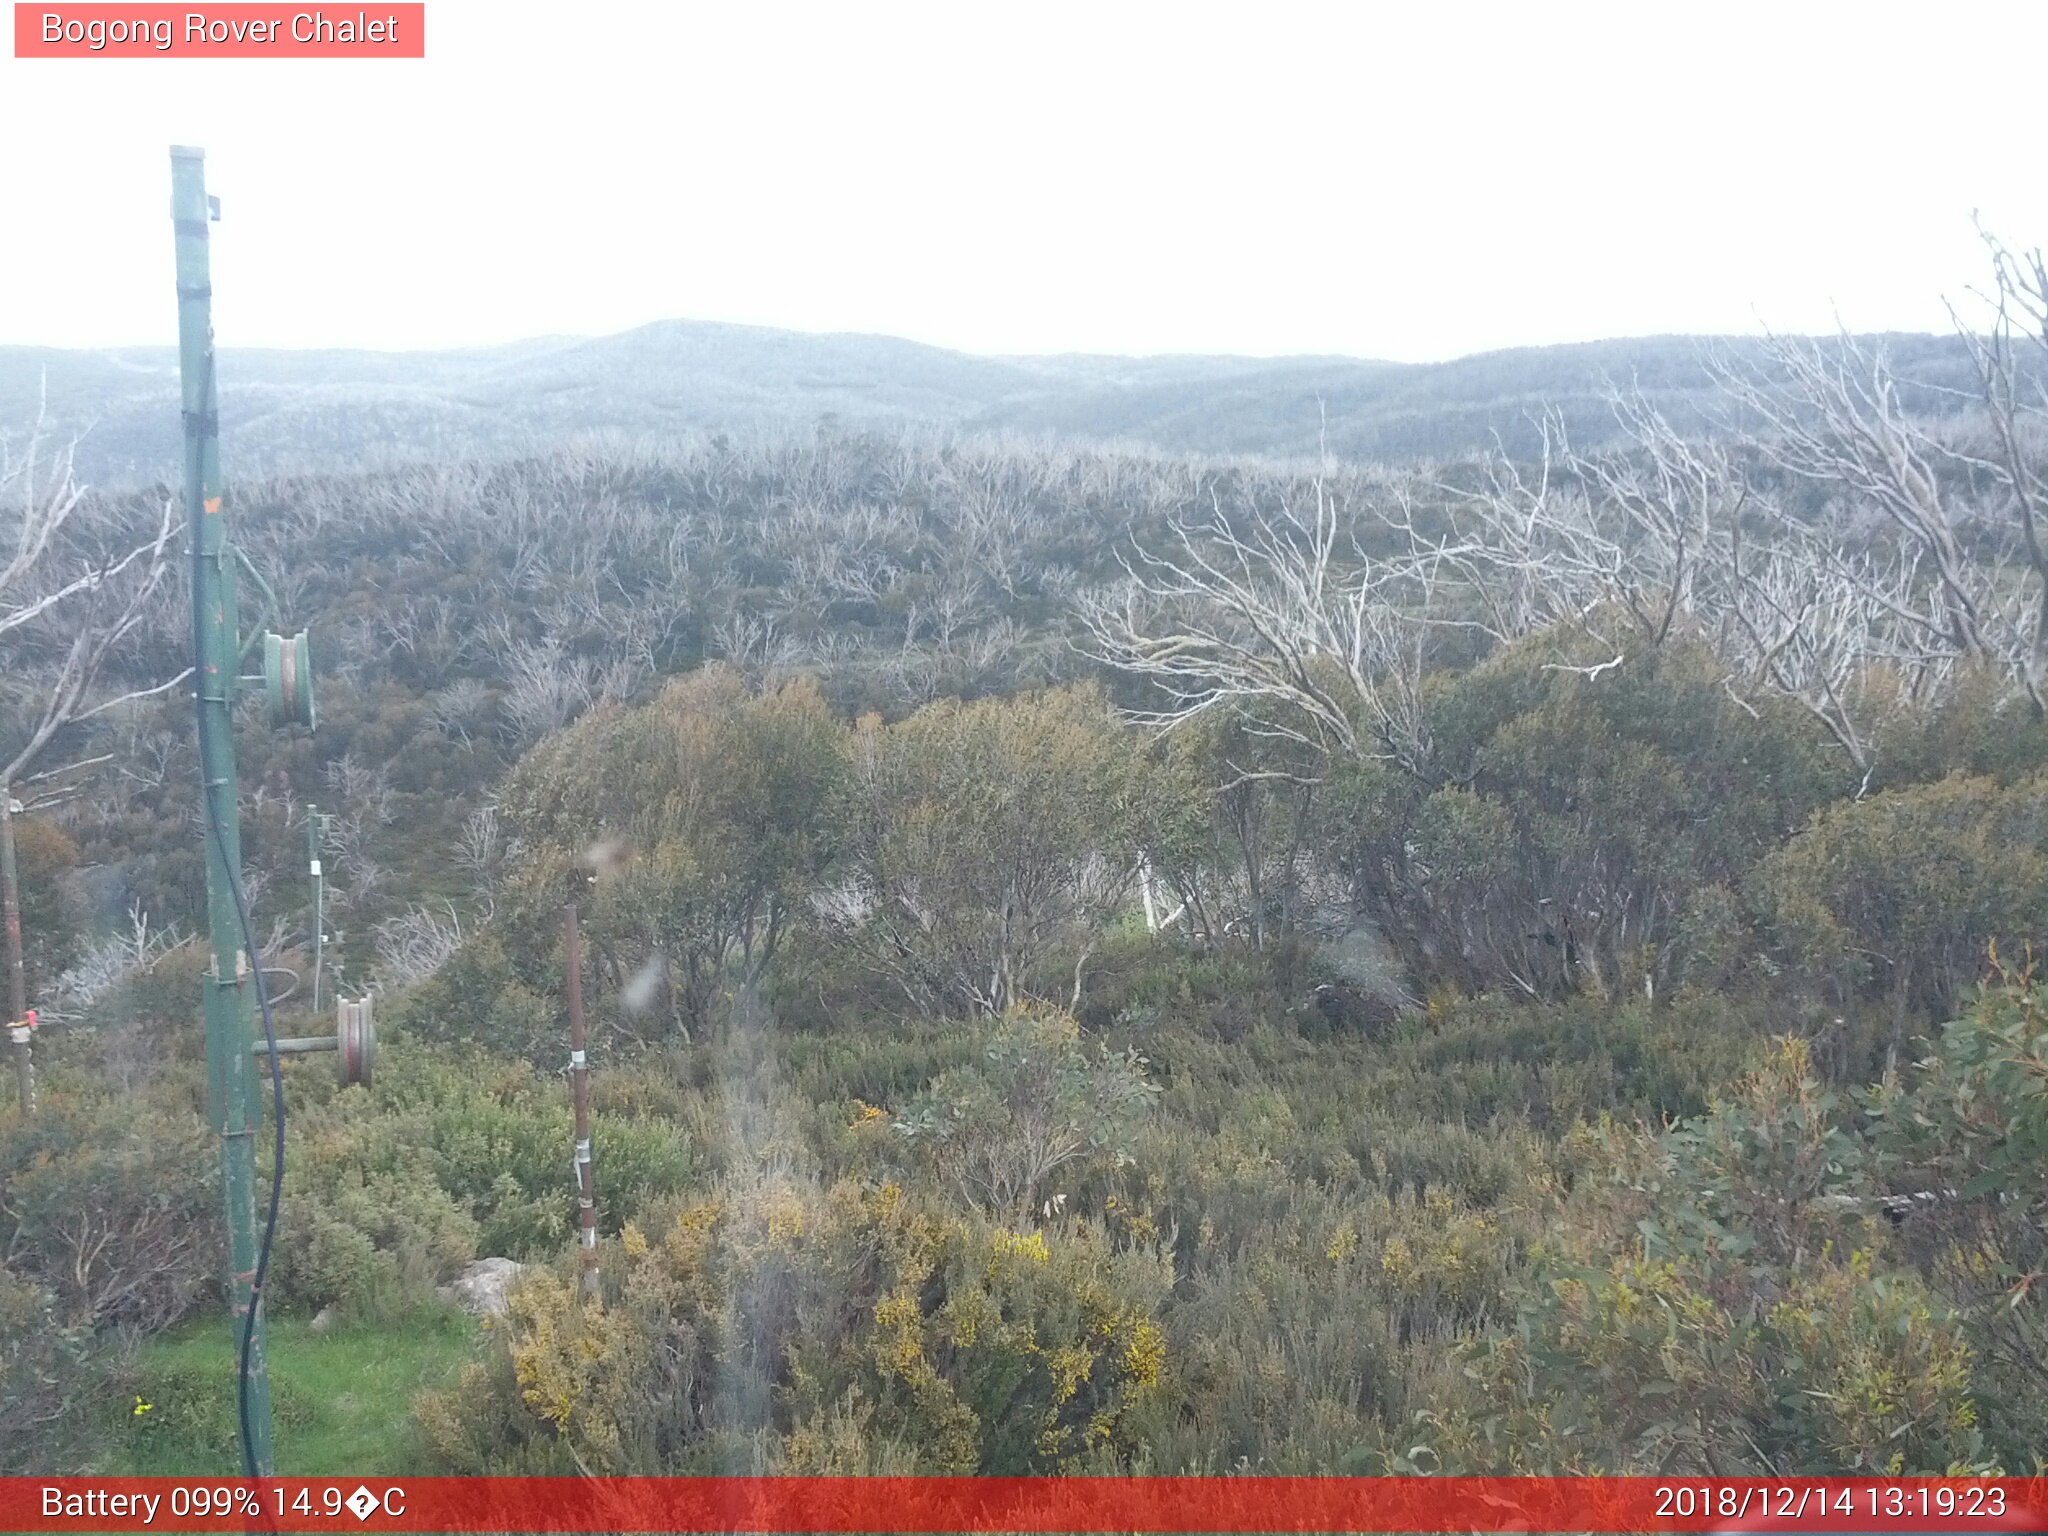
[(234, 877)]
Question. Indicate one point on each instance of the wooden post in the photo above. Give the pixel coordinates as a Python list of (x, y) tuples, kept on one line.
[(579, 1096)]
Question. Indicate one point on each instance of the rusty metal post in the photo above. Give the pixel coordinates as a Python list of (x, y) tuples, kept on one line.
[(579, 1096), (17, 984), (314, 821)]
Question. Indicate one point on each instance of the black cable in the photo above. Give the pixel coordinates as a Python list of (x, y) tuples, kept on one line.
[(234, 878)]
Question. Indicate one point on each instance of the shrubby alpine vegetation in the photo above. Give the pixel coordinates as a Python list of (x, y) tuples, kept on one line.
[(1104, 958)]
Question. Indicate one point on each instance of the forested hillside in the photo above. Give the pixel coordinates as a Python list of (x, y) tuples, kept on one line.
[(1100, 958), (297, 411)]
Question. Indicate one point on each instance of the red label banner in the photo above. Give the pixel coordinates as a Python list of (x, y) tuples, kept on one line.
[(944, 1504), (223, 31)]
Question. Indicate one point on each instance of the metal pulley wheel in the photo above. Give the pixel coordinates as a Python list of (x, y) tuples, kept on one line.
[(356, 1039), (288, 678), (354, 1042)]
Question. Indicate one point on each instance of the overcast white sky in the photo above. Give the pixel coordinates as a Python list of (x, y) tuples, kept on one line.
[(1410, 181)]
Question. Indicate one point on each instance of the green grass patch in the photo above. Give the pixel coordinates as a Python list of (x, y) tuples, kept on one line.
[(341, 1401)]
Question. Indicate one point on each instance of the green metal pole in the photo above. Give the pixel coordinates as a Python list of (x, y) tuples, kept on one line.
[(230, 1063)]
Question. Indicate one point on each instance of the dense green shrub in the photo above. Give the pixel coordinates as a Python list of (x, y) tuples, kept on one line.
[(707, 817), (1902, 893), (113, 1204), (1036, 1100), (44, 1364), (1235, 815), (372, 1242), (1575, 824), (1977, 726), (452, 1154), (990, 844), (51, 918), (1721, 1303), (1140, 982), (479, 998), (1964, 1137)]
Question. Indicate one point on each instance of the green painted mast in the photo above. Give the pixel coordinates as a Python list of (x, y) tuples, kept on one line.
[(230, 1059)]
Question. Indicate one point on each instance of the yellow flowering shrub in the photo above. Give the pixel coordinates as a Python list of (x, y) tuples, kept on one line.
[(832, 1319)]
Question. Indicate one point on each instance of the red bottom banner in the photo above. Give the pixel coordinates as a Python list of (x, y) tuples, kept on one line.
[(1021, 1504)]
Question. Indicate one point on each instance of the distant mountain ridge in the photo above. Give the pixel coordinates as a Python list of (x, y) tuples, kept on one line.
[(328, 409)]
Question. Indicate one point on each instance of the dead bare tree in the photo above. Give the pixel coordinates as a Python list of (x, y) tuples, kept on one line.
[(414, 944), (2016, 407), (547, 688), (1673, 505), (1789, 612), (1280, 616), (73, 588), (480, 849), (1524, 546), (1833, 417), (75, 583)]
